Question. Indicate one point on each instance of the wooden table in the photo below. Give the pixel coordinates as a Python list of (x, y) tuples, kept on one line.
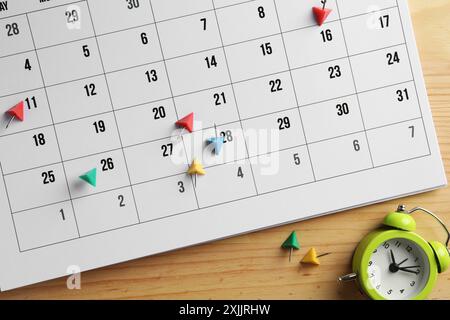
[(252, 266)]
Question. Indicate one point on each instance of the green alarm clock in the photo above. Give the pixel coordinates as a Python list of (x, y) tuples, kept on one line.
[(395, 263)]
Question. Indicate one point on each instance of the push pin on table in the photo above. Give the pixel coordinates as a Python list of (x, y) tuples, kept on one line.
[(291, 243), (321, 14), (311, 257), (16, 112)]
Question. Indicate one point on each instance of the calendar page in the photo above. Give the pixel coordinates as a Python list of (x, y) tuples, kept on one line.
[(134, 127)]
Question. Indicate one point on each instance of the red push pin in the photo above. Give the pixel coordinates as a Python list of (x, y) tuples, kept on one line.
[(187, 122), (321, 14), (16, 112)]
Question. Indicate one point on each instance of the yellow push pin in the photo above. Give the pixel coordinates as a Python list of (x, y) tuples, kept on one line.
[(311, 257), (196, 169)]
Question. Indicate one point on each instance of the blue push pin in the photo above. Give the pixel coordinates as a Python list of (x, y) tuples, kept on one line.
[(217, 143)]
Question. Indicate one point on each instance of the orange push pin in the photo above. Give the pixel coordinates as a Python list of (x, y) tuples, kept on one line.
[(16, 112)]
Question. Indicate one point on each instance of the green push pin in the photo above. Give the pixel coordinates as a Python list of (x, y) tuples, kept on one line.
[(90, 177), (291, 243)]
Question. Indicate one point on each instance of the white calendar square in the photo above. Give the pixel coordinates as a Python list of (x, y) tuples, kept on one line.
[(210, 66), (189, 35), (321, 82), (365, 33), (134, 123), (36, 228), (22, 42), (284, 130), (392, 104), (339, 117), (78, 99), (117, 211), (311, 50), (240, 23), (152, 160), (110, 16), (19, 145), (44, 186), (138, 47), (246, 61), (80, 138), (112, 173), (243, 185), (295, 15), (138, 85), (170, 9), (179, 188), (349, 8), (50, 26), (212, 107), (131, 128), (294, 166), (54, 59), (394, 143), (20, 79), (387, 67), (265, 95), (340, 156)]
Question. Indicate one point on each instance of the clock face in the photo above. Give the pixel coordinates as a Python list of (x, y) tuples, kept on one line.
[(398, 269)]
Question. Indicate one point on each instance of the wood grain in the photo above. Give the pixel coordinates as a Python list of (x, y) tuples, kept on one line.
[(252, 266)]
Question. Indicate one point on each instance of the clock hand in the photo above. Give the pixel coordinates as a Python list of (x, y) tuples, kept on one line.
[(410, 267), (393, 258), (402, 262), (409, 271)]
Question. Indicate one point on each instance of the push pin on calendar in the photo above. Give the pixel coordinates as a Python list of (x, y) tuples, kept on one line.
[(195, 170), (216, 142), (321, 14), (90, 177), (186, 123), (16, 112)]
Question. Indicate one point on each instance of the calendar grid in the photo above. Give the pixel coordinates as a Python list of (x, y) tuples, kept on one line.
[(54, 128), (188, 54), (193, 14), (224, 123), (234, 94), (173, 100), (224, 202), (206, 128), (241, 119), (354, 84), (227, 202), (114, 113), (412, 73), (217, 87), (295, 90), (203, 51), (225, 163)]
